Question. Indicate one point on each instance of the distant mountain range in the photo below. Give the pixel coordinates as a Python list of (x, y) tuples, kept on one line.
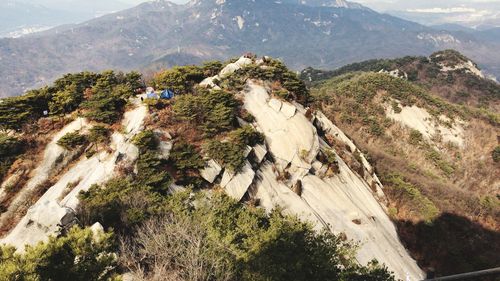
[(318, 33), (21, 17)]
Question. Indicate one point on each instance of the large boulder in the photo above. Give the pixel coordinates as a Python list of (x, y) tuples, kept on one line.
[(232, 67), (238, 185), (211, 171)]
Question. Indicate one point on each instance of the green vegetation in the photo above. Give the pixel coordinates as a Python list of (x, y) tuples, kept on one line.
[(145, 140), (231, 153), (231, 241), (99, 135), (101, 94), (411, 195), (374, 65), (119, 204), (247, 135), (56, 258), (211, 68), (109, 95), (69, 92), (182, 79), (212, 111), (185, 157), (15, 112), (72, 140), (495, 154), (292, 88), (437, 159), (151, 172), (187, 161), (10, 148), (416, 137)]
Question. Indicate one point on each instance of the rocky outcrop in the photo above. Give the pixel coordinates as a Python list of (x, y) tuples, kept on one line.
[(236, 185), (232, 67), (343, 203), (430, 127), (50, 213), (54, 158), (330, 130), (211, 171), (292, 140)]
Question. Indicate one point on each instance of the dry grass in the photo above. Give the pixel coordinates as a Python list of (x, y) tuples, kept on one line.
[(461, 192)]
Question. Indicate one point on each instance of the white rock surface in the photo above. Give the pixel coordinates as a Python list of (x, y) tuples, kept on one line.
[(290, 140), (467, 66), (288, 110), (54, 157), (275, 104), (97, 229), (239, 184), (247, 151), (419, 119), (164, 148), (330, 129), (211, 171), (226, 177), (260, 152), (232, 67), (331, 202), (209, 81), (42, 218)]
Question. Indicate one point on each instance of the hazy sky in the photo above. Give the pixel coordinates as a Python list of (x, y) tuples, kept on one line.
[(376, 4), (386, 4)]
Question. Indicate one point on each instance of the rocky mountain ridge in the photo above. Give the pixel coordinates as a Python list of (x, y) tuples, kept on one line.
[(294, 168)]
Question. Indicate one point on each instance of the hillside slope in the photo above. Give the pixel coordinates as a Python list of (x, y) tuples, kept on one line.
[(436, 158), (318, 34), (237, 128), (447, 74)]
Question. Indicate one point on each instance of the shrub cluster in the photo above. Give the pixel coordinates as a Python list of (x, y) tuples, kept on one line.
[(145, 140), (231, 153), (230, 241), (67, 94), (495, 154), (212, 111), (120, 204), (80, 255), (406, 192), (182, 79), (275, 70), (99, 134), (187, 161), (10, 148), (72, 140), (109, 95)]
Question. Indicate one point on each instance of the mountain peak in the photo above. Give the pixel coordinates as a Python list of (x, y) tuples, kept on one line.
[(451, 60), (328, 3)]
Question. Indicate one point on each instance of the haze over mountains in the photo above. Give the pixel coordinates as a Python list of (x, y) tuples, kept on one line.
[(21, 17), (322, 34), (472, 14)]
